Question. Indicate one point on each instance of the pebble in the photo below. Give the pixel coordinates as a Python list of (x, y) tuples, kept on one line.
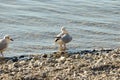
[(16, 64), (23, 62), (61, 67), (36, 63), (9, 62), (44, 55), (61, 59), (77, 56)]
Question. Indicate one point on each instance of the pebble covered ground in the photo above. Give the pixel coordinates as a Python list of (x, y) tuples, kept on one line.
[(83, 65)]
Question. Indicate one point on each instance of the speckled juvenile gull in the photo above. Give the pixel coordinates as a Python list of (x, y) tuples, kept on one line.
[(4, 43), (63, 38)]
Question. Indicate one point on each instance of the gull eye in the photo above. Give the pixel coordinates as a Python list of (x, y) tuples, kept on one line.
[(8, 37)]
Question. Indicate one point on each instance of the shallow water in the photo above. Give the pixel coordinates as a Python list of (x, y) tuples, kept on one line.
[(33, 24)]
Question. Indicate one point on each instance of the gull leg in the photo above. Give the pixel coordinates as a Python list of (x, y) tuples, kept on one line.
[(2, 54), (61, 48), (65, 47)]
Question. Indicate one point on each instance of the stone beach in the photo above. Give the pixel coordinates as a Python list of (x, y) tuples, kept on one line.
[(83, 65)]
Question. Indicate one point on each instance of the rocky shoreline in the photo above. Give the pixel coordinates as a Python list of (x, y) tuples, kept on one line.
[(83, 65)]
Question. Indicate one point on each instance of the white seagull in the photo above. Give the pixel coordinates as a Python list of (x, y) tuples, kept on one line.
[(4, 43), (63, 38)]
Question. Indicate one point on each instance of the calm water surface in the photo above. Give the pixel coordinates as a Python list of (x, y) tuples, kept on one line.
[(33, 24)]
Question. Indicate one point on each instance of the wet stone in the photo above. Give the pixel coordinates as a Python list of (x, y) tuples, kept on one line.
[(44, 55), (15, 59)]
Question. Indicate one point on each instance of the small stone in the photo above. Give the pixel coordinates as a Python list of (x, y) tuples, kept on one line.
[(30, 64), (9, 62), (50, 60), (37, 63), (72, 56), (97, 53), (57, 78), (27, 77), (16, 64), (22, 62), (44, 75), (77, 56), (14, 59), (69, 59), (22, 56), (61, 59), (5, 66), (13, 73), (32, 60), (44, 55)]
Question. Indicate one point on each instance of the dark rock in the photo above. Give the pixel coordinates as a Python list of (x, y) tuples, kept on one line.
[(44, 55), (44, 75), (15, 59), (25, 58), (54, 52), (97, 53), (86, 51), (22, 56), (106, 50)]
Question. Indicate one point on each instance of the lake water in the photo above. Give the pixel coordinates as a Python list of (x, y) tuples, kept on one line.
[(32, 24)]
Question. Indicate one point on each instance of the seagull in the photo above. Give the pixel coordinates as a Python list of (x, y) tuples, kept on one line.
[(63, 38), (4, 43)]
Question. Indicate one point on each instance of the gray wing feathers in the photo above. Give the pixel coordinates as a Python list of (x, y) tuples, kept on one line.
[(3, 44), (66, 38)]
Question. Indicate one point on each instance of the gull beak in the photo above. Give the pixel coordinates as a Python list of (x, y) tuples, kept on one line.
[(11, 39), (56, 39)]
